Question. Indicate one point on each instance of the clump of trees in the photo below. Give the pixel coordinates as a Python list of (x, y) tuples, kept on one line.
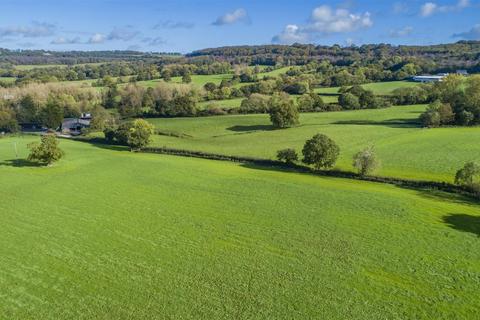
[(321, 152), (283, 111), (47, 151), (45, 105), (288, 155), (437, 114), (311, 102), (456, 102), (469, 176), (356, 97), (366, 161), (136, 134)]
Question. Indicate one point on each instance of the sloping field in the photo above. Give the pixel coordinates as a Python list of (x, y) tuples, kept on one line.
[(405, 149), (102, 234), (380, 88)]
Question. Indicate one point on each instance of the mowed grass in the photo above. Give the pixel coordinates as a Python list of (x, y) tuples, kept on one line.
[(380, 88), (406, 150), (107, 233)]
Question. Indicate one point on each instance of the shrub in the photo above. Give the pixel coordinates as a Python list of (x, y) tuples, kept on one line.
[(366, 161), (138, 136), (311, 102), (8, 122), (437, 114), (349, 101), (320, 151), (469, 176), (45, 152), (110, 134), (256, 103), (287, 155)]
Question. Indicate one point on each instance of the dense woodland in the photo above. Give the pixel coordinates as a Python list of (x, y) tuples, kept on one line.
[(444, 57)]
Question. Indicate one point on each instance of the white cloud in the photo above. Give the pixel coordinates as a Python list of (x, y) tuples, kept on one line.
[(472, 34), (404, 32), (62, 40), (290, 34), (324, 21), (430, 8), (37, 29), (97, 38), (231, 17)]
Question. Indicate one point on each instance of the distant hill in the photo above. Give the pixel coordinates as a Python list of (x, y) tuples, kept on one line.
[(42, 57), (462, 54)]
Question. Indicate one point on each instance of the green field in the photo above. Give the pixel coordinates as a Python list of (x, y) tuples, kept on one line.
[(380, 88), (405, 149), (8, 79), (274, 73), (103, 235), (228, 104), (201, 80)]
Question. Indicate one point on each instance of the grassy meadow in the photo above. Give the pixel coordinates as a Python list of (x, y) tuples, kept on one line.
[(380, 88), (229, 103), (102, 234), (8, 79), (405, 149)]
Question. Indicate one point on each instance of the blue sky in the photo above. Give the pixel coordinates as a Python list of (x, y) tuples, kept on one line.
[(186, 25)]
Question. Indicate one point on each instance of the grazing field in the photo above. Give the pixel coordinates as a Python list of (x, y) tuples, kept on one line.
[(274, 73), (8, 79), (405, 149), (201, 80), (102, 234), (380, 88), (229, 103)]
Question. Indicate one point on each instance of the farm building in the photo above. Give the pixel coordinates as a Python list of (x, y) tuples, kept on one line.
[(74, 126), (436, 78)]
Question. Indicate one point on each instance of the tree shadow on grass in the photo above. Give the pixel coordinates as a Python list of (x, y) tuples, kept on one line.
[(463, 222), (101, 143), (392, 123), (438, 195), (20, 163), (259, 127)]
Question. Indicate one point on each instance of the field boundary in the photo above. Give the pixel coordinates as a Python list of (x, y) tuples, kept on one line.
[(293, 167)]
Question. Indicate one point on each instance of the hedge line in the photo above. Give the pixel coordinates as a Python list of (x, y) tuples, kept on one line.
[(417, 184)]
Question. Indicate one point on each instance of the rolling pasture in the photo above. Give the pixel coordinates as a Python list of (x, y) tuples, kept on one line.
[(405, 149), (102, 234), (379, 88)]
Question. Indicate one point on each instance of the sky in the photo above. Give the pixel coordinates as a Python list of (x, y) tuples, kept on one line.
[(188, 25)]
